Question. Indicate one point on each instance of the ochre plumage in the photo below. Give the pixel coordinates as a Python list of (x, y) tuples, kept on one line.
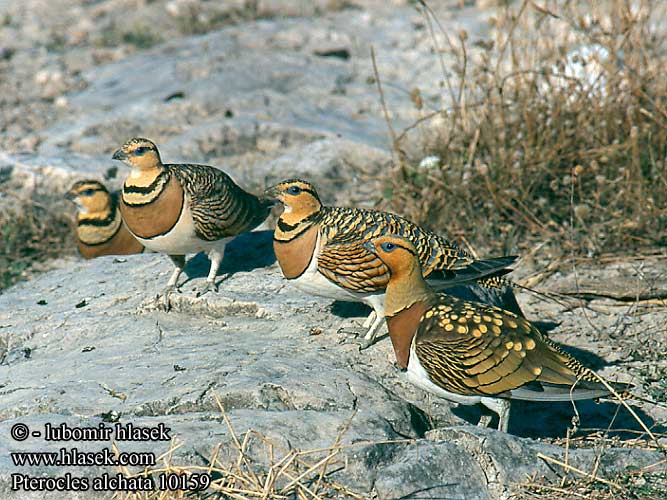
[(320, 249), (469, 352), (184, 208), (160, 215), (99, 227)]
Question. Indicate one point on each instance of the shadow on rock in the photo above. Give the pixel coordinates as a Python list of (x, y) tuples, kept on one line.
[(344, 309), (551, 420), (243, 254)]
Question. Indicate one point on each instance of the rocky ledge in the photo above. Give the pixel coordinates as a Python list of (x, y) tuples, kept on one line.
[(85, 345)]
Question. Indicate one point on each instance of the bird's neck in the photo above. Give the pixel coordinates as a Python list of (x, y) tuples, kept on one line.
[(293, 223), (145, 176), (95, 228), (100, 212), (147, 186), (405, 289), (94, 215), (407, 298)]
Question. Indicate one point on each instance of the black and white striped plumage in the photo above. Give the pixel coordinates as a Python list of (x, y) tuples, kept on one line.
[(184, 208)]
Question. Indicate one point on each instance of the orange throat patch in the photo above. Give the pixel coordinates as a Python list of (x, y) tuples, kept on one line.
[(295, 255), (402, 329), (158, 212)]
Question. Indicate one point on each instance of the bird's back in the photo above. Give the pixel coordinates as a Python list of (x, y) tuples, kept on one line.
[(475, 349), (343, 224), (219, 207)]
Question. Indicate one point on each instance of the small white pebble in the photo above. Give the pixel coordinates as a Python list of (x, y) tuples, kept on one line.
[(41, 77), (429, 162)]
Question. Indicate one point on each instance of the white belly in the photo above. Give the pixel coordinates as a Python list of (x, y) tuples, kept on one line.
[(417, 375), (181, 239), (316, 284)]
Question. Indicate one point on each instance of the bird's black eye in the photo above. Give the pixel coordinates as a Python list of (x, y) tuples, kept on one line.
[(388, 246), (140, 150), (294, 190), (88, 192)]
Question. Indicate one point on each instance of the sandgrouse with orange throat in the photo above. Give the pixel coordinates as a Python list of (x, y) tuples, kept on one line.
[(320, 250), (469, 352), (98, 226)]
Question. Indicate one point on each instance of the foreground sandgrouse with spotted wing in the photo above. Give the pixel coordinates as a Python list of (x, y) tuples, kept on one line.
[(99, 228), (319, 249), (469, 352), (178, 209)]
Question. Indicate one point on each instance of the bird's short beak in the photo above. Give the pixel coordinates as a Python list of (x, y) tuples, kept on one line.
[(119, 155), (368, 246), (272, 192)]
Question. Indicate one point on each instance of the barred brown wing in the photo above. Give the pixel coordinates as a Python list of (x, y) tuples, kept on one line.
[(219, 207)]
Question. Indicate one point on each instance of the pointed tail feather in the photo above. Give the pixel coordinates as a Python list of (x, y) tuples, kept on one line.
[(544, 391), (444, 278), (498, 297)]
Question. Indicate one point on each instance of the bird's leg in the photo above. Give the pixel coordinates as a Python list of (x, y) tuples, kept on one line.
[(372, 332), (502, 408), (373, 324), (163, 298), (371, 318), (484, 421), (215, 255), (504, 416)]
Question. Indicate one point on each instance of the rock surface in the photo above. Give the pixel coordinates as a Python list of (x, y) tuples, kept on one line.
[(267, 90), (266, 98), (83, 343)]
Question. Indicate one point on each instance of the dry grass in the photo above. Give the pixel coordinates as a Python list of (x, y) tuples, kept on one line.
[(635, 483), (557, 130), (32, 232), (637, 486), (649, 482), (261, 469)]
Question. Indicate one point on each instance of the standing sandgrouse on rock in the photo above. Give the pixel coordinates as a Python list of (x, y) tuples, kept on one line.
[(178, 209), (469, 352), (99, 228), (320, 249)]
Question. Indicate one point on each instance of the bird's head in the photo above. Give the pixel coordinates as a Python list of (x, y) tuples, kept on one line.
[(299, 197), (90, 196), (397, 253), (406, 285), (138, 154)]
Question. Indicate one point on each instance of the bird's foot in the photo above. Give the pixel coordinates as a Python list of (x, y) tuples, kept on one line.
[(354, 336), (484, 421), (362, 343), (210, 286), (162, 299)]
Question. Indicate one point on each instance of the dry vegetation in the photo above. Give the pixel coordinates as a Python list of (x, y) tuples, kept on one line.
[(260, 469), (556, 131), (32, 232), (256, 467), (635, 483)]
